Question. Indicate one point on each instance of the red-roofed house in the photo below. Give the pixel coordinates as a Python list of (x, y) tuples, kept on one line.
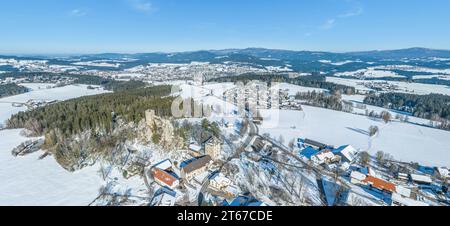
[(164, 175), (379, 183)]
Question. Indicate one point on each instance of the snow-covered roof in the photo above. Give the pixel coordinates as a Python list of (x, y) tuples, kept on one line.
[(195, 147), (421, 178), (220, 179), (406, 192), (444, 172), (347, 151), (357, 175), (164, 165), (164, 197), (345, 166), (323, 155), (407, 201)]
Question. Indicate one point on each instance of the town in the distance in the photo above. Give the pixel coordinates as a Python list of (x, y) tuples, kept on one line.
[(233, 127)]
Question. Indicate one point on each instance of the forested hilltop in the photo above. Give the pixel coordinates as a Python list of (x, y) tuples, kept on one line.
[(66, 78), (11, 89), (433, 106), (82, 128)]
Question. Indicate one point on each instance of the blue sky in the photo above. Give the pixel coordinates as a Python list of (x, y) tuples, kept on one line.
[(87, 26)]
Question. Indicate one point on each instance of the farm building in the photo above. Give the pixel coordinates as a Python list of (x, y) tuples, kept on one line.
[(322, 157), (347, 152), (308, 152), (374, 182), (443, 172), (379, 184), (164, 197), (163, 173), (421, 179), (194, 166)]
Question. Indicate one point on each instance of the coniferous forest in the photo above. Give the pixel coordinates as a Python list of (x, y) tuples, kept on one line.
[(11, 89), (432, 106), (79, 129)]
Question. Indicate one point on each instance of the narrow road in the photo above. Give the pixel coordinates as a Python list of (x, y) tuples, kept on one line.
[(253, 132)]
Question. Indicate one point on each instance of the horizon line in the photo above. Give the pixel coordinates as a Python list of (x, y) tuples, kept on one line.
[(19, 54)]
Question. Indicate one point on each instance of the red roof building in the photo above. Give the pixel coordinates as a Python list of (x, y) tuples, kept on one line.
[(164, 175), (380, 183)]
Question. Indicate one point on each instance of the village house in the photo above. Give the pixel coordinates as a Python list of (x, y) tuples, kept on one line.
[(308, 152), (196, 150), (347, 153), (163, 173), (379, 184), (221, 183), (399, 200), (357, 177), (374, 182), (322, 157), (164, 197), (312, 143), (247, 200), (402, 176), (421, 179), (194, 167), (444, 172), (213, 147)]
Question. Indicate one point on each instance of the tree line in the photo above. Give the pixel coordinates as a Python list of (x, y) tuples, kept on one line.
[(320, 99), (435, 107), (11, 90), (107, 83)]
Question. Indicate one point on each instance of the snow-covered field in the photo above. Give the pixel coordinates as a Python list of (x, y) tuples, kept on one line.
[(359, 99), (40, 92), (29, 181), (414, 69), (294, 89), (438, 76), (97, 64), (406, 87), (405, 141), (339, 63), (370, 73)]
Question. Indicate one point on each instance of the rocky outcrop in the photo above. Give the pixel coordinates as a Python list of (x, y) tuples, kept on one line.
[(161, 130)]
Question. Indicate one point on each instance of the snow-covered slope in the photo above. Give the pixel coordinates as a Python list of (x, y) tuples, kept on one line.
[(29, 181), (404, 87)]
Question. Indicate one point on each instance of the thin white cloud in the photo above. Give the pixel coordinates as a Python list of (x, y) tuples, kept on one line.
[(328, 24), (356, 11), (142, 5), (77, 13)]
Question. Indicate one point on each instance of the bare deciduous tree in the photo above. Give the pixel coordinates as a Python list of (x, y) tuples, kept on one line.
[(373, 130)]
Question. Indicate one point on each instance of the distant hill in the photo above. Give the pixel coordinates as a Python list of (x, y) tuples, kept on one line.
[(300, 61), (267, 54), (277, 54), (404, 53)]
